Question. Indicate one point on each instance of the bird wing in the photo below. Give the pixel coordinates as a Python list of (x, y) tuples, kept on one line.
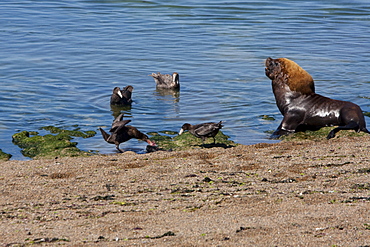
[(204, 129), (118, 118), (167, 79), (119, 124), (121, 130), (162, 79)]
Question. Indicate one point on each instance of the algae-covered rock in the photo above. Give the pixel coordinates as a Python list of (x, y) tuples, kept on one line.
[(76, 132), (34, 145), (168, 132), (4, 156), (185, 141), (320, 134)]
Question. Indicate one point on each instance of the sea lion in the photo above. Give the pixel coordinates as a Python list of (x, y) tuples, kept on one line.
[(302, 108)]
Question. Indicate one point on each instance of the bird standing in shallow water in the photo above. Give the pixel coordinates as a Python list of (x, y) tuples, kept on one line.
[(120, 132), (203, 130), (122, 97), (167, 81)]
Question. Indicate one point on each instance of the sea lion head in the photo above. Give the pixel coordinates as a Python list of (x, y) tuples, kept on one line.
[(283, 70)]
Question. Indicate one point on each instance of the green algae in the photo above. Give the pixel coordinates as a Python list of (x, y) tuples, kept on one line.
[(267, 117), (168, 132), (76, 132), (4, 156), (35, 146), (173, 141), (320, 134)]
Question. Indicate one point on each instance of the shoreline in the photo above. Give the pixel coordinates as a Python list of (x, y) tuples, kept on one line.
[(285, 194)]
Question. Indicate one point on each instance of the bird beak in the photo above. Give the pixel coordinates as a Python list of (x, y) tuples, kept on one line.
[(119, 94), (181, 131), (151, 143), (174, 78)]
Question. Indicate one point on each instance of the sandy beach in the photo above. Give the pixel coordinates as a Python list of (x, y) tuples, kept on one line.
[(305, 193)]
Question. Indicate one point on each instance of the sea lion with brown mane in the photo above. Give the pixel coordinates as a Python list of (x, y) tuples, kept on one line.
[(302, 108)]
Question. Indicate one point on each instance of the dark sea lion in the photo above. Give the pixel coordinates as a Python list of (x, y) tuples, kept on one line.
[(302, 108)]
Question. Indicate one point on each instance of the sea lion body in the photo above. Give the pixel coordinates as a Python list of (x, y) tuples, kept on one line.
[(302, 108)]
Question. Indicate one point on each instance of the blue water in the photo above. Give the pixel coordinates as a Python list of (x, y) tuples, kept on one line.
[(60, 60)]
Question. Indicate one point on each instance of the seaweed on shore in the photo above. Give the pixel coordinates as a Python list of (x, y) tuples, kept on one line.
[(76, 132), (320, 134), (170, 140), (4, 156), (34, 145)]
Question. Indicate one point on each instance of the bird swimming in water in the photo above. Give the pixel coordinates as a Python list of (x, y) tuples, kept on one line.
[(120, 132), (122, 97), (167, 81), (203, 130)]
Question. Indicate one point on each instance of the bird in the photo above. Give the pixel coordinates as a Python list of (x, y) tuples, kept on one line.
[(202, 130), (122, 97), (121, 132), (166, 81)]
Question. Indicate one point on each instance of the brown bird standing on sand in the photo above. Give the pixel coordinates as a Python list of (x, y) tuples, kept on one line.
[(203, 130), (120, 132), (122, 97), (167, 81)]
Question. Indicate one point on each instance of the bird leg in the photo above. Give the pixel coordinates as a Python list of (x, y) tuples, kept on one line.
[(120, 150), (203, 139)]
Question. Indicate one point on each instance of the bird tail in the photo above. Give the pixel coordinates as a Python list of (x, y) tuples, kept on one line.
[(104, 134)]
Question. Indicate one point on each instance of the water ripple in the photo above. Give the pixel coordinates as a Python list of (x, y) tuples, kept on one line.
[(61, 60)]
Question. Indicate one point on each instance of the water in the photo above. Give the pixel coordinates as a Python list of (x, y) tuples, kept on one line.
[(60, 60)]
